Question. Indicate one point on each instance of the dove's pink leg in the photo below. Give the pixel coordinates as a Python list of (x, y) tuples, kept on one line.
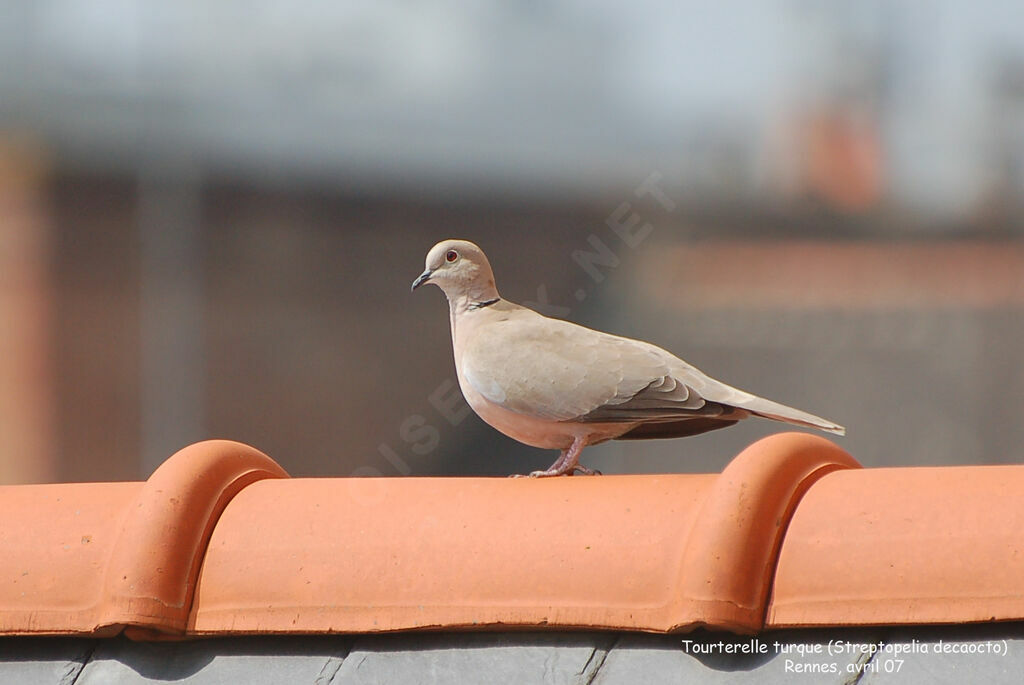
[(567, 463)]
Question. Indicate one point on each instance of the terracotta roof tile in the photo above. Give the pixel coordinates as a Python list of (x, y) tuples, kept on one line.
[(219, 541), (905, 546), (95, 558), (54, 546), (386, 554), (632, 552)]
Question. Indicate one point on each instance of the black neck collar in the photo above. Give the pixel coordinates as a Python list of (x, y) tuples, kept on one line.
[(481, 305)]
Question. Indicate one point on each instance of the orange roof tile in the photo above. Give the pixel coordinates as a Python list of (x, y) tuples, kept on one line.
[(54, 546), (792, 532), (94, 558), (905, 546)]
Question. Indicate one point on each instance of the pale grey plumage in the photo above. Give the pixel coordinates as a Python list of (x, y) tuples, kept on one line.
[(552, 383)]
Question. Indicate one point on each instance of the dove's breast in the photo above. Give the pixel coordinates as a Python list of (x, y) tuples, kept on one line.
[(534, 431)]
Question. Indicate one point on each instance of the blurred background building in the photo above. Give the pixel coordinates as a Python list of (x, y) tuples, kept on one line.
[(210, 214)]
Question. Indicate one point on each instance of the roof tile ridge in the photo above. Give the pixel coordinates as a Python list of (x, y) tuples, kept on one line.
[(151, 575), (733, 547)]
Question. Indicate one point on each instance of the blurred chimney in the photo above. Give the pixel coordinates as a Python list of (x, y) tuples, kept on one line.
[(26, 406)]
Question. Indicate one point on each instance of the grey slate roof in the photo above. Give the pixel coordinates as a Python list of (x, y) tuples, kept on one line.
[(995, 654)]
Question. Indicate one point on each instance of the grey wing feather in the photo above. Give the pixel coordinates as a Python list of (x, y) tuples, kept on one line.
[(688, 393), (556, 370)]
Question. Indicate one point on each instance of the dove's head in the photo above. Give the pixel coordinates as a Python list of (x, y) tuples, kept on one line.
[(461, 270)]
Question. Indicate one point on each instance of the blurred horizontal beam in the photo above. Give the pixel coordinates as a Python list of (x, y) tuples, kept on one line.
[(800, 274)]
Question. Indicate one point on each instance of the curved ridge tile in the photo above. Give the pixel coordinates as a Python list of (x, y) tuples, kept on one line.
[(732, 550), (151, 573)]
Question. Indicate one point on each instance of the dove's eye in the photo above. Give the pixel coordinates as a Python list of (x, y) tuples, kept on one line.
[(451, 256)]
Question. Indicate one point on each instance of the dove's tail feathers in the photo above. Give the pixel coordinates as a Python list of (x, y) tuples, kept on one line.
[(719, 392), (780, 412), (810, 421)]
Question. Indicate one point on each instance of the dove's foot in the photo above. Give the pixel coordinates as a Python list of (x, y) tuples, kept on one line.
[(566, 465), (541, 474), (578, 468), (545, 474)]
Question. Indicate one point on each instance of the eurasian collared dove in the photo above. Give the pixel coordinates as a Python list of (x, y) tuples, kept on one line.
[(553, 384)]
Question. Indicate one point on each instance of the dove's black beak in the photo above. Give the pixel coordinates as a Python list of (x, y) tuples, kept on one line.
[(422, 278)]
